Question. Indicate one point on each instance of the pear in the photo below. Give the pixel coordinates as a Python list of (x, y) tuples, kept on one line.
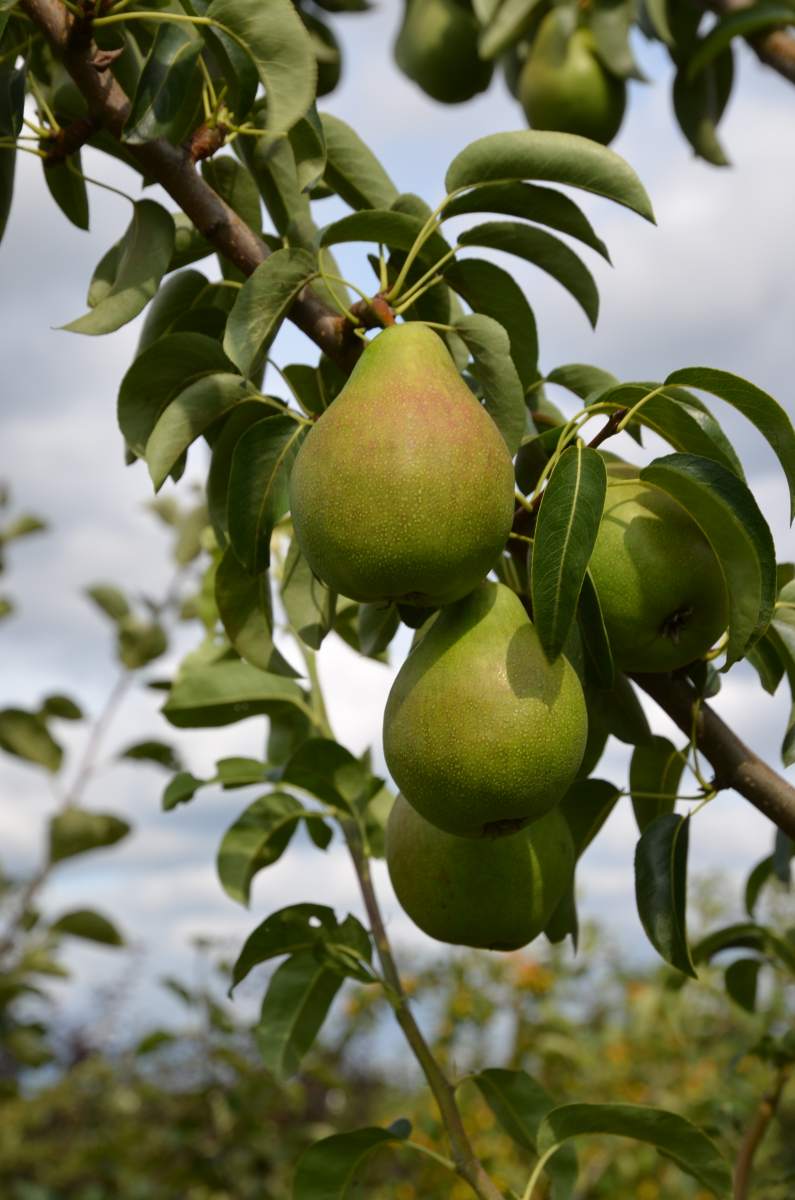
[(437, 47), (659, 583), (564, 86), (403, 490), (483, 734), (497, 895)]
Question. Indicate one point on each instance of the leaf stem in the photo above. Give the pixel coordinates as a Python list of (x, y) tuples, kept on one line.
[(538, 1171)]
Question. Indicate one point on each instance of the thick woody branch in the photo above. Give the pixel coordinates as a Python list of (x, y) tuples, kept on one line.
[(174, 169), (735, 764), (775, 47)]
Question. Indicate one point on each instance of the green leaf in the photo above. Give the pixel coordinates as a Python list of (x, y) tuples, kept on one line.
[(174, 298), (76, 830), (326, 1170), (67, 187), (744, 23), (231, 65), (295, 1006), (12, 107), (309, 149), (622, 711), (110, 600), (591, 624), (699, 105), (236, 185), (489, 290), (759, 876), (145, 252), (258, 496), (544, 251), (783, 851), (288, 931), (154, 752), (25, 735), (182, 788), (277, 41), (398, 230), (90, 925), (239, 420), (490, 347), (161, 372), (168, 94), (511, 20), (140, 642), (309, 603), (257, 838), (520, 1104), (661, 888), (262, 304), (581, 379), (188, 416), (730, 519), (287, 730), (674, 1137), (237, 771), (656, 766), (352, 169), (610, 22), (586, 806), (757, 406), (556, 157), (741, 978), (330, 772), (376, 625), (62, 707), (568, 522), (245, 608), (543, 205), (225, 692)]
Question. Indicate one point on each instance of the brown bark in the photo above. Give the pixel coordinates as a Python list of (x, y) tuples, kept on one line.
[(774, 47)]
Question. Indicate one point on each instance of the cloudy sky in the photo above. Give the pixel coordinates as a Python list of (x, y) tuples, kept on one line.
[(710, 285)]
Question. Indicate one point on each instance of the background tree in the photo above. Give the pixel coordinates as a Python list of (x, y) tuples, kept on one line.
[(199, 372)]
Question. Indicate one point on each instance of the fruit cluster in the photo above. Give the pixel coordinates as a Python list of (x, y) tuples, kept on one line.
[(403, 492)]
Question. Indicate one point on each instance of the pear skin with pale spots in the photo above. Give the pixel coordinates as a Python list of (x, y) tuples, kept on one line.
[(496, 894), (483, 734), (403, 490), (659, 583)]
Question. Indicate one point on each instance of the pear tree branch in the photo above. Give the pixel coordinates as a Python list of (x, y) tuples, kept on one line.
[(760, 1122), (773, 47)]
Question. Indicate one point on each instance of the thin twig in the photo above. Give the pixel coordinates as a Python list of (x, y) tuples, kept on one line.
[(760, 1122)]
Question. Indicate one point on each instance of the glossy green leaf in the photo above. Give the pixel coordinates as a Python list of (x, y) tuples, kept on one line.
[(581, 379), (257, 839), (661, 888), (230, 64), (145, 253), (586, 806), (746, 935), (730, 519), (622, 711), (180, 790), (490, 290), (61, 707), (26, 736), (236, 185), (490, 347), (174, 298), (510, 21), (743, 23), (591, 624), (544, 251), (76, 831), (767, 663), (566, 529), (657, 13), (154, 752), (656, 767), (376, 625), (783, 852), (757, 406), (262, 304), (67, 187), (352, 169), (225, 692), (758, 877), (741, 978), (398, 230), (542, 205), (555, 157), (273, 167), (236, 424), (308, 602), (168, 94), (297, 928), (610, 22), (245, 608), (309, 149), (12, 106), (278, 43), (326, 1170), (676, 1138), (295, 1006), (89, 925), (520, 1105), (258, 497), (189, 415)]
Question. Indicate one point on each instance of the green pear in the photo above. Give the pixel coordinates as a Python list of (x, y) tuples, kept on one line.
[(481, 733), (437, 47), (403, 489), (564, 86), (497, 894), (659, 583)]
